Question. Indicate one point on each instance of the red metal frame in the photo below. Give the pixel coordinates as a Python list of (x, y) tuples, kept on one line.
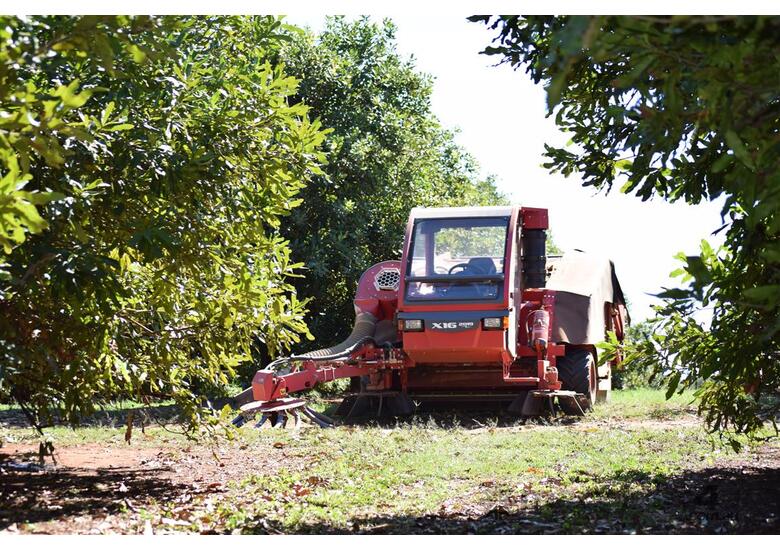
[(368, 361)]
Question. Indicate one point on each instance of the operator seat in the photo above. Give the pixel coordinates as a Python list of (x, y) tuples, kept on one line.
[(481, 266)]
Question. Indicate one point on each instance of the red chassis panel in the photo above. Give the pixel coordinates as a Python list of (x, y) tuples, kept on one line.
[(468, 346)]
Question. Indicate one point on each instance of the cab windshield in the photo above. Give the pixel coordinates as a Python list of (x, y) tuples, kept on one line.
[(457, 259)]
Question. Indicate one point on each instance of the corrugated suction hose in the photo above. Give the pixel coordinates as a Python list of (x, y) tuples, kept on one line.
[(362, 332)]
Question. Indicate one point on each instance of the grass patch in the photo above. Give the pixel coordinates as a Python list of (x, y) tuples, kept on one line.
[(370, 478), (107, 425), (418, 471), (644, 403), (608, 472), (64, 436)]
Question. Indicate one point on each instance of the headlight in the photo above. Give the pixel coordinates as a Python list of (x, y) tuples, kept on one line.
[(495, 323), (413, 325)]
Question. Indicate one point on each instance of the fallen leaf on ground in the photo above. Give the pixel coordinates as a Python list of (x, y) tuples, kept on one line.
[(170, 521)]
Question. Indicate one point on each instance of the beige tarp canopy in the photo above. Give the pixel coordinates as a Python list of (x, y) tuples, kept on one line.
[(584, 284)]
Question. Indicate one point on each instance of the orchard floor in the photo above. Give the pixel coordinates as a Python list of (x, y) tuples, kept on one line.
[(639, 464)]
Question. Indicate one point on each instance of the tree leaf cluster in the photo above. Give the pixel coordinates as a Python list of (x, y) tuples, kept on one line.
[(680, 108), (147, 166), (635, 368)]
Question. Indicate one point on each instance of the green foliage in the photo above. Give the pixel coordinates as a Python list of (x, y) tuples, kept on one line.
[(147, 166), (387, 154), (468, 242), (632, 372), (681, 108)]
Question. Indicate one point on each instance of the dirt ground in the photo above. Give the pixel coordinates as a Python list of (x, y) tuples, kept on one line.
[(92, 485), (97, 488)]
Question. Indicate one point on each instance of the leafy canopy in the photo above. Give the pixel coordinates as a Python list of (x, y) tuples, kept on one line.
[(387, 153), (147, 164), (680, 108)]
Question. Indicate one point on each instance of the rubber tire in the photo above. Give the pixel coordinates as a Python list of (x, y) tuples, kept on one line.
[(576, 370)]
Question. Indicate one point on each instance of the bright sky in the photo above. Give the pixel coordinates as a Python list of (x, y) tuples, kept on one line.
[(501, 117)]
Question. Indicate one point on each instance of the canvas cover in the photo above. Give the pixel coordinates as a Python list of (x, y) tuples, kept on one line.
[(585, 283)]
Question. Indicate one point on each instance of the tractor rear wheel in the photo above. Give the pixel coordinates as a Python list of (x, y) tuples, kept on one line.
[(577, 373)]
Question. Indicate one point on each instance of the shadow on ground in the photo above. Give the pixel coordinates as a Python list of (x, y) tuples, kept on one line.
[(735, 500), (739, 499), (740, 496), (67, 493)]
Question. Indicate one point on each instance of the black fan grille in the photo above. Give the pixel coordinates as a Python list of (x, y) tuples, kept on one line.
[(387, 279)]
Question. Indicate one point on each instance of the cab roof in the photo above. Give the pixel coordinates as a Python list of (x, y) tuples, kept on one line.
[(462, 212)]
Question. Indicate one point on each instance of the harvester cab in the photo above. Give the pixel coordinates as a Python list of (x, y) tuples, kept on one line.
[(468, 314), (457, 300)]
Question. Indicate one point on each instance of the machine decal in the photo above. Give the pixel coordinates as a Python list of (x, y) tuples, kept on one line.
[(453, 326)]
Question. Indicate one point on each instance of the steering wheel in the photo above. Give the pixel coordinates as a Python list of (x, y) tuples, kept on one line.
[(474, 270), (465, 267)]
